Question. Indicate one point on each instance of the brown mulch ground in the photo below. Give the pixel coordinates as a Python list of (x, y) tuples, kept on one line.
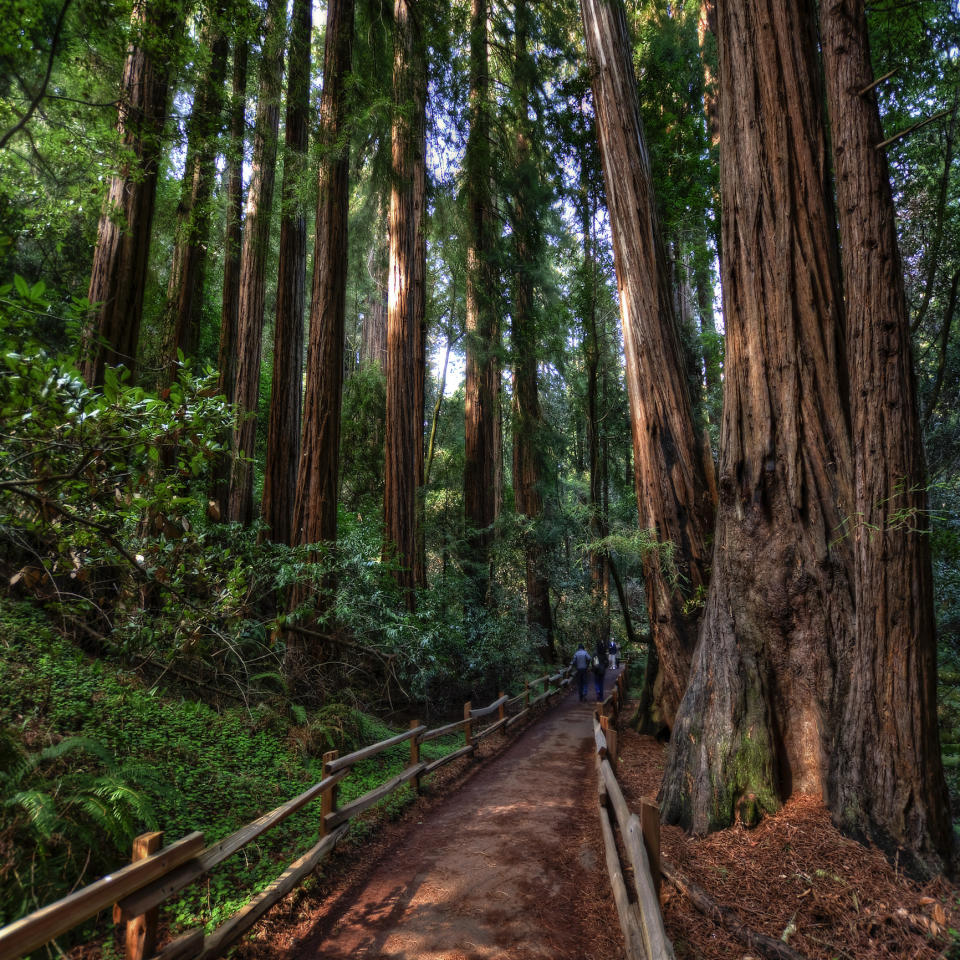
[(794, 870)]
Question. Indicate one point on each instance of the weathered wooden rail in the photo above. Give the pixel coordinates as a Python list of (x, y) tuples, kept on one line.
[(640, 918), (137, 890)]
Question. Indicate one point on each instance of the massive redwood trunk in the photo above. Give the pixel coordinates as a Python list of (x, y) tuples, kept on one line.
[(315, 511), (403, 454), (672, 492), (185, 284), (232, 243), (757, 720), (528, 456), (119, 272), (283, 430), (481, 428), (253, 260), (886, 770)]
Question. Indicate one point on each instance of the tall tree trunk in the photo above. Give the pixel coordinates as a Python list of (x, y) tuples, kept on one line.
[(120, 258), (185, 285), (404, 427), (283, 431), (886, 771), (373, 346), (315, 511), (672, 493), (756, 722), (253, 260), (419, 318), (232, 243), (599, 557), (481, 379), (528, 457)]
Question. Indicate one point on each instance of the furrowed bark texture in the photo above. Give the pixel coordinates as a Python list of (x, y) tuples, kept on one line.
[(119, 272), (756, 722), (185, 284), (672, 493), (404, 415), (283, 430), (253, 260), (481, 387), (233, 239), (886, 773), (315, 509), (528, 458)]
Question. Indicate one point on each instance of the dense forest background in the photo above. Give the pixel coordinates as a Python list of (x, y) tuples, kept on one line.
[(314, 400)]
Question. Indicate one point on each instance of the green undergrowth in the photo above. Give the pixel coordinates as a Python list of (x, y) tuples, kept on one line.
[(90, 756)]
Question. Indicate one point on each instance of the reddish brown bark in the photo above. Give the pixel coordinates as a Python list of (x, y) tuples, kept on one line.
[(481, 374), (886, 770), (756, 722), (315, 509), (672, 493), (185, 284), (232, 243), (403, 453), (315, 517), (528, 459), (253, 261), (283, 430), (119, 272)]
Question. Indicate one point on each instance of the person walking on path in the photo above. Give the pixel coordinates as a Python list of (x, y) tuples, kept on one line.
[(581, 663), (600, 664), (613, 650)]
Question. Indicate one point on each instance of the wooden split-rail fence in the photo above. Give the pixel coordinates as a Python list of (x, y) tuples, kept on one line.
[(156, 873), (641, 921)]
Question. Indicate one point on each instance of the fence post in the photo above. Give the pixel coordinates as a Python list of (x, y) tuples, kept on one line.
[(502, 709), (610, 733), (468, 726), (141, 935), (526, 695), (328, 798), (650, 824), (415, 753)]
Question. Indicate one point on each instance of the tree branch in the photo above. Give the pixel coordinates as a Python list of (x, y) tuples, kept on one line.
[(22, 122)]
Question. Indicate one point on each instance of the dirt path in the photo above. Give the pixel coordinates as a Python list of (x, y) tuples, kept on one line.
[(510, 867)]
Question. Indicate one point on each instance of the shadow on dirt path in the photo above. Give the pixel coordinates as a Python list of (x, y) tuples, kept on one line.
[(510, 867)]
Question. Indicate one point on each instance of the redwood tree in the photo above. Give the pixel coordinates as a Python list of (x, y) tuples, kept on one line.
[(232, 244), (119, 272), (403, 468), (528, 459), (481, 380), (672, 492), (253, 259), (283, 431), (185, 284), (315, 510), (886, 770), (758, 718)]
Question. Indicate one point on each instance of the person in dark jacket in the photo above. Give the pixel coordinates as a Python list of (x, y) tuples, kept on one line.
[(600, 664), (581, 663)]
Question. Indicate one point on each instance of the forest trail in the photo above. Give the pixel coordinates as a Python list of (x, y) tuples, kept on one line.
[(508, 868)]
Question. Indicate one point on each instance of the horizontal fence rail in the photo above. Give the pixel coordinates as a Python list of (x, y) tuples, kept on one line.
[(138, 889)]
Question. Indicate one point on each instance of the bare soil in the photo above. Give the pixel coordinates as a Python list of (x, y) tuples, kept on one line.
[(498, 870)]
